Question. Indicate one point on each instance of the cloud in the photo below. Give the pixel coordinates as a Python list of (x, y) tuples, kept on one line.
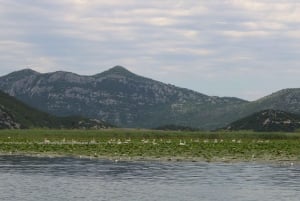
[(272, 10), (263, 25), (23, 55), (293, 34), (241, 34), (193, 44)]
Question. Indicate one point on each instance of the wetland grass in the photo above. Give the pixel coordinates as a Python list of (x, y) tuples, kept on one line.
[(134, 144)]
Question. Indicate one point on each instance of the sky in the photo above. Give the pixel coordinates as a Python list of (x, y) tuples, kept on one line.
[(236, 48)]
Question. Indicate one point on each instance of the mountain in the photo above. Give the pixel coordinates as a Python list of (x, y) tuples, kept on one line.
[(15, 114), (120, 97), (267, 120), (287, 100)]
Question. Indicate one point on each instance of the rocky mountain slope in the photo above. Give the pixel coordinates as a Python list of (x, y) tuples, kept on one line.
[(267, 120), (7, 121), (15, 114), (287, 100), (121, 98)]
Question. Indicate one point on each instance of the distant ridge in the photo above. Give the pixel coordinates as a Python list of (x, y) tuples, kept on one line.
[(287, 100), (267, 120), (120, 97), (284, 100), (129, 100)]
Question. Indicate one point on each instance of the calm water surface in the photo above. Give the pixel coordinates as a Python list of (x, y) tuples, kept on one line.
[(29, 178)]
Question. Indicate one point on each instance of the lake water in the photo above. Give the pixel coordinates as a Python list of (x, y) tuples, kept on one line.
[(29, 178)]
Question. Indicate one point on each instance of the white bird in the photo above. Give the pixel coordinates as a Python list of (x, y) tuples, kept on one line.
[(182, 143), (127, 141), (46, 141), (145, 141)]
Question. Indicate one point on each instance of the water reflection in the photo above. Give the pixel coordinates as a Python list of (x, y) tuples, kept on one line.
[(30, 178)]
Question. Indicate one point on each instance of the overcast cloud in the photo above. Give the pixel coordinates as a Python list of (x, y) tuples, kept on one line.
[(242, 48)]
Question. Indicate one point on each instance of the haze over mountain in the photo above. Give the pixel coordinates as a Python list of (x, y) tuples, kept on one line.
[(119, 97), (14, 115)]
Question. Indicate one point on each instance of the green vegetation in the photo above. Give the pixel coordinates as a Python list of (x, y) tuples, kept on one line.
[(158, 145), (13, 111)]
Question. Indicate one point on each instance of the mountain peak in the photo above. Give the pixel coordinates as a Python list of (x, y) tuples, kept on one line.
[(26, 71), (21, 73), (116, 70)]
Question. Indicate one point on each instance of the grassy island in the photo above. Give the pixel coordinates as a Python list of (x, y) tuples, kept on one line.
[(135, 144)]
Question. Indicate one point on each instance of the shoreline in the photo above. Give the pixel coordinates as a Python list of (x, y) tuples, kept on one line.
[(229, 160)]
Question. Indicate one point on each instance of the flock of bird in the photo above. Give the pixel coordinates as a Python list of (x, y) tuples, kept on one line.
[(180, 142)]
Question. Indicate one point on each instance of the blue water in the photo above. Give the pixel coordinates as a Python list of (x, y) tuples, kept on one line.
[(29, 178)]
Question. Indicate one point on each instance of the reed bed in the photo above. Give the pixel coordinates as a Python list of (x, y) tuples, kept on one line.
[(138, 144)]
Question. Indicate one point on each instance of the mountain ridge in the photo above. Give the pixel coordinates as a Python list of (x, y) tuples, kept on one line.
[(118, 96), (126, 99), (287, 100)]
